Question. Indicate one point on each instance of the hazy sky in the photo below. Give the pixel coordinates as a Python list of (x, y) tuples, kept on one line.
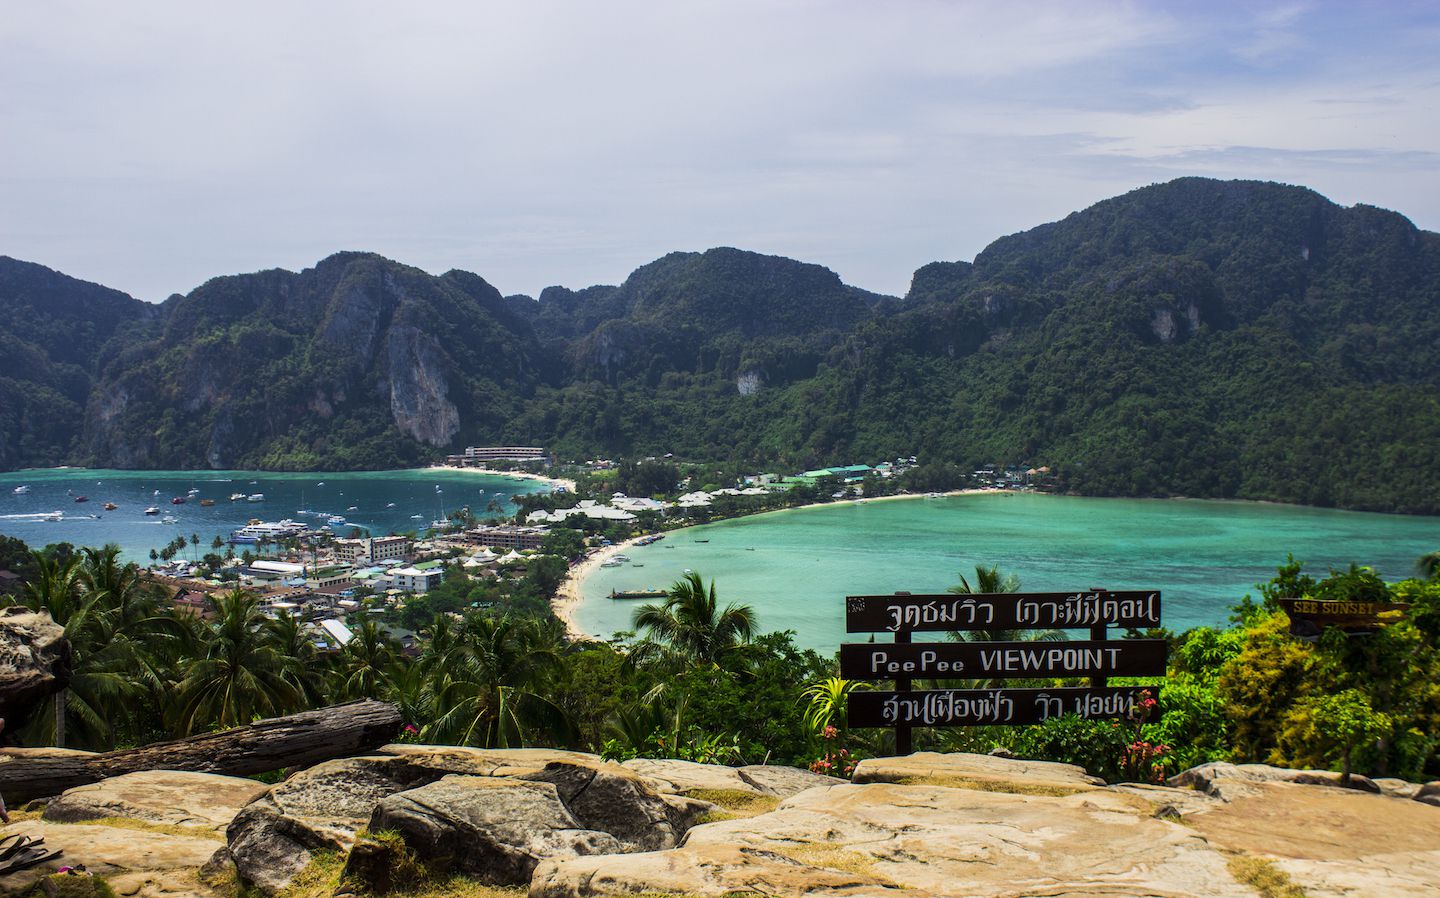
[(150, 146)]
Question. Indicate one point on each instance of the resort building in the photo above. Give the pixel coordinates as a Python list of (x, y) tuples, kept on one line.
[(371, 550), (331, 576), (477, 455), (509, 537), (411, 579)]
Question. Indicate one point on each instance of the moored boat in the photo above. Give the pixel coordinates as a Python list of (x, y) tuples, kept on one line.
[(20, 490), (111, 506), (638, 594), (255, 497), (152, 510), (177, 500), (207, 502)]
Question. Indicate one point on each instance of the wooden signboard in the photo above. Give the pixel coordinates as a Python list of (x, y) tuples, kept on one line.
[(1308, 616), (902, 661), (991, 707), (993, 660), (1002, 611)]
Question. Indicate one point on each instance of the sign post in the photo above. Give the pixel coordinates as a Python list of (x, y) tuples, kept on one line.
[(903, 661)]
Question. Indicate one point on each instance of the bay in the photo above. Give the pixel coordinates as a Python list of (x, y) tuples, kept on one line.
[(795, 567), (418, 497)]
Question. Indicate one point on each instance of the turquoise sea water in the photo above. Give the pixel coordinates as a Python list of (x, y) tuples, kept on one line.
[(418, 496), (795, 567)]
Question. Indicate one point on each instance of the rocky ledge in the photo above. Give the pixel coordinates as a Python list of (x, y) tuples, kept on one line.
[(566, 824)]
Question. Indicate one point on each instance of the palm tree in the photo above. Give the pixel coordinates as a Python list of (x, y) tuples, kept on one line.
[(691, 627), (240, 673), (118, 637), (990, 580), (487, 685), (304, 665), (364, 663)]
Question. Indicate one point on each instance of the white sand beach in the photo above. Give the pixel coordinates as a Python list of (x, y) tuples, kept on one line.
[(554, 482)]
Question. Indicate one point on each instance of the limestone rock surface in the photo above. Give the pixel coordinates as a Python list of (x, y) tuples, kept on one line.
[(784, 781), (159, 796), (870, 840), (672, 775), (494, 829), (137, 863), (984, 772)]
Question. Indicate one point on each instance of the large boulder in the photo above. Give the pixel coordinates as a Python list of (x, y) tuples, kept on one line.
[(983, 772), (871, 840), (609, 798), (34, 661), (159, 796), (1225, 780), (274, 838), (494, 829), (784, 782), (670, 775)]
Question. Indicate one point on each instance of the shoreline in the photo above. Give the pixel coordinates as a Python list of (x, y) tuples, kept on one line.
[(554, 482), (571, 593)]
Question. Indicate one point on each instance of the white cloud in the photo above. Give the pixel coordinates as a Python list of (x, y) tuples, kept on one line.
[(151, 146)]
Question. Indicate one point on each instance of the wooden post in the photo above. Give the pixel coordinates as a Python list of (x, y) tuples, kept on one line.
[(904, 735), (60, 717), (1098, 634)]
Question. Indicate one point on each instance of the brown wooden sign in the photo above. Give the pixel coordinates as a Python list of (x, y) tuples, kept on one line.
[(1002, 611), (1309, 616), (991, 660), (993, 707)]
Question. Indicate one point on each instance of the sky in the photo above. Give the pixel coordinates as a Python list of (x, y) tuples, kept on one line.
[(150, 146)]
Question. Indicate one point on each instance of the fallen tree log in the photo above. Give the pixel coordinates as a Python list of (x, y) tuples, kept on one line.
[(299, 740)]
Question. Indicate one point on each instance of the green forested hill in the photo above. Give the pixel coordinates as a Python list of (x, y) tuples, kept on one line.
[(1198, 337)]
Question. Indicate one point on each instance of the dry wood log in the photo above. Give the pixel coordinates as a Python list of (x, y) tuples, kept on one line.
[(299, 740)]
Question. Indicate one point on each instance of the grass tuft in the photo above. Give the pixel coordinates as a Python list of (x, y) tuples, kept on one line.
[(735, 802), (1263, 876)]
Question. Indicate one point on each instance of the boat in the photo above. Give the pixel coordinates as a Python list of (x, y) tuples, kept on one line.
[(258, 531), (255, 497), (152, 510), (21, 490), (321, 483), (335, 520), (702, 540), (389, 504), (111, 506), (237, 497), (193, 491), (610, 562), (638, 594), (621, 557), (169, 519), (177, 500), (82, 498), (53, 516), (416, 517), (353, 508), (207, 502), (441, 525)]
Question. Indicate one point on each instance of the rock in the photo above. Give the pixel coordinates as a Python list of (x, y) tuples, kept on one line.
[(159, 796), (1331, 842), (784, 782), (1429, 793), (609, 798), (494, 829), (273, 838), (1397, 788), (687, 776), (871, 840), (984, 772), (1211, 778), (34, 661), (137, 863)]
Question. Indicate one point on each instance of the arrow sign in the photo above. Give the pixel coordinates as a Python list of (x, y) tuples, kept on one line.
[(990, 660)]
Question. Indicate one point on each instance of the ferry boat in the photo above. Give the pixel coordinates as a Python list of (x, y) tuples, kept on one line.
[(335, 520), (154, 509), (53, 516), (256, 531), (638, 594), (20, 490)]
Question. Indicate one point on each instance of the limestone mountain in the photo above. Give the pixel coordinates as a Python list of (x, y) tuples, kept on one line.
[(356, 362), (56, 335), (1205, 338)]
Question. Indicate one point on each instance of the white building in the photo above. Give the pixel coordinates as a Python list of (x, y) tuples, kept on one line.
[(414, 580), (370, 550)]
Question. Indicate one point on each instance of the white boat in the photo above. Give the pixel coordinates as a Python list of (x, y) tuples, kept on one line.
[(21, 490), (154, 509), (321, 483), (193, 491), (255, 497), (335, 520), (416, 517), (353, 508), (53, 516), (610, 563), (237, 497), (389, 504), (621, 558), (169, 519)]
